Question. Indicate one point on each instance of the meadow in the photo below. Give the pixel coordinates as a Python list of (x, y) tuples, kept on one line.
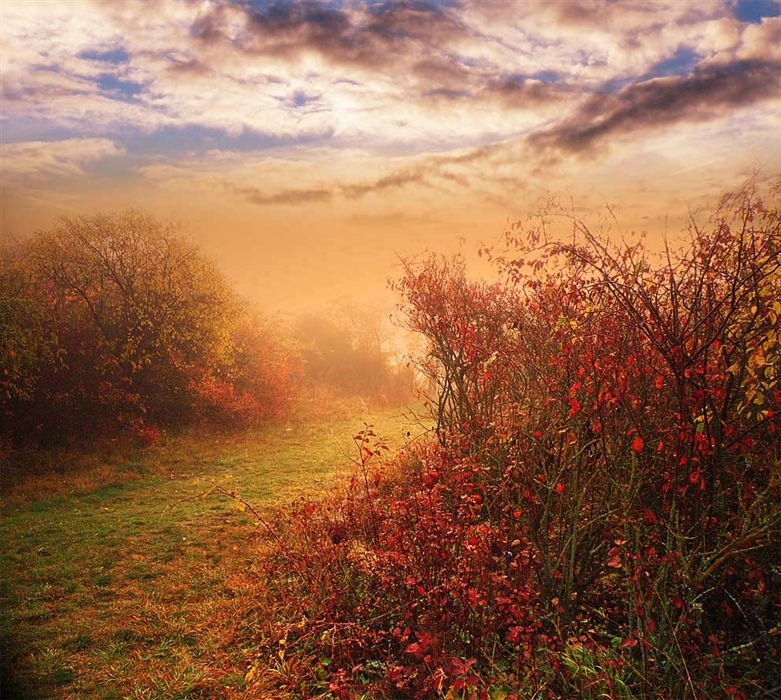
[(120, 581), (594, 509)]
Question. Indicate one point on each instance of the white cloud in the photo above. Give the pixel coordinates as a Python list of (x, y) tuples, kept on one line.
[(484, 73), (34, 160), (358, 85)]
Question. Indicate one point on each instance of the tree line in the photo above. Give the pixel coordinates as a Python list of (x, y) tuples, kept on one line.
[(114, 323)]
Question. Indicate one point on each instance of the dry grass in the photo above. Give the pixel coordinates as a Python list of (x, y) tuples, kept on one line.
[(118, 582)]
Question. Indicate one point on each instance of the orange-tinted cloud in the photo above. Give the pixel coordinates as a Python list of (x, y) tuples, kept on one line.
[(294, 117), (293, 196)]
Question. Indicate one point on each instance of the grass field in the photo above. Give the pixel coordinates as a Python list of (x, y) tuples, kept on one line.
[(119, 582)]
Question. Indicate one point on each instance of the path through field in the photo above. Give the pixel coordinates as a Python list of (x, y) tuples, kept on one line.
[(114, 585)]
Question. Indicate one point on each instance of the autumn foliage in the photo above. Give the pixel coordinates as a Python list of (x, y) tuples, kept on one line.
[(115, 323), (599, 514)]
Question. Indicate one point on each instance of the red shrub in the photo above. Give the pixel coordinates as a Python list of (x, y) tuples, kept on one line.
[(600, 516)]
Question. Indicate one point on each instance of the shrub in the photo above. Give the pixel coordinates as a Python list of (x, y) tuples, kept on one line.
[(600, 514)]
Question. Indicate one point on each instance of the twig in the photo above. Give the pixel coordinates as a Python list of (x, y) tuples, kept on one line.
[(246, 506)]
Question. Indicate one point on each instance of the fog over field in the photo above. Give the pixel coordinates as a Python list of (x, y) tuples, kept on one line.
[(303, 145)]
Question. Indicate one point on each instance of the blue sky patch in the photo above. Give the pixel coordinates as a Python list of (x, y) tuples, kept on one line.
[(301, 99), (199, 139), (126, 89), (614, 85), (115, 56), (546, 76), (35, 129), (682, 63), (754, 10)]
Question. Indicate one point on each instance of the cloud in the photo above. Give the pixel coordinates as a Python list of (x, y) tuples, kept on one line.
[(394, 180), (705, 95), (762, 41), (363, 38), (478, 170), (255, 195), (524, 92), (401, 73), (438, 97), (36, 160), (357, 190)]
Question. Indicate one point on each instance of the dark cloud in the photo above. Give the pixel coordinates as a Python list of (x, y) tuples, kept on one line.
[(451, 83), (447, 95), (395, 180), (379, 36), (706, 94), (401, 178), (433, 170), (422, 21), (437, 170), (579, 13), (304, 196), (519, 93), (189, 68), (445, 73), (285, 30)]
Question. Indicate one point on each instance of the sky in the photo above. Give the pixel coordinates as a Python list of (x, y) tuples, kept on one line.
[(305, 146)]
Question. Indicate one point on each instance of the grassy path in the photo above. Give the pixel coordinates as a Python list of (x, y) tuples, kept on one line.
[(115, 585)]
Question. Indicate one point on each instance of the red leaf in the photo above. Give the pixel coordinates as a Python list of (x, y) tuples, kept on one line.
[(638, 444), (559, 488)]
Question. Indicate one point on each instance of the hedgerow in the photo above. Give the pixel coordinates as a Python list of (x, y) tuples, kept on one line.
[(598, 512)]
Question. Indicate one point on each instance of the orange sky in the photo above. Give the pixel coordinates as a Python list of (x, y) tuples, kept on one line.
[(304, 145)]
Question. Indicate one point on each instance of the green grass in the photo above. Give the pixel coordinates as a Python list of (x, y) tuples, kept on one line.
[(118, 581)]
